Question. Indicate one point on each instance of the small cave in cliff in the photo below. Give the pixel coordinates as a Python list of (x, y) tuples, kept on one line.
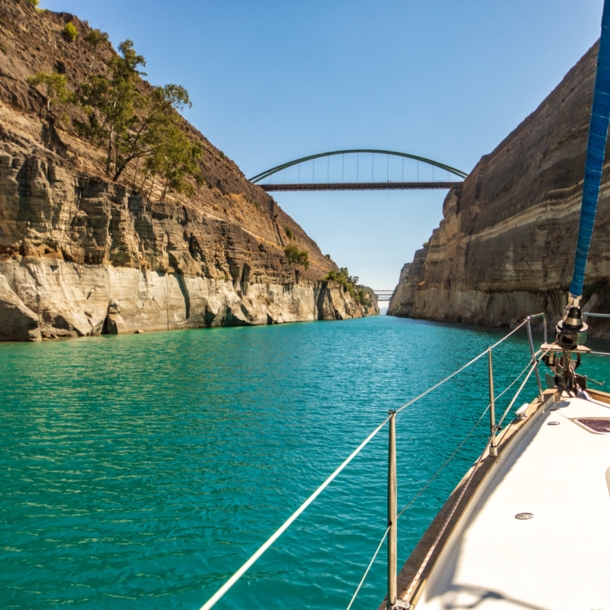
[(109, 327)]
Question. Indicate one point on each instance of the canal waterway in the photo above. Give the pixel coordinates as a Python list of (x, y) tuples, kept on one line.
[(141, 471)]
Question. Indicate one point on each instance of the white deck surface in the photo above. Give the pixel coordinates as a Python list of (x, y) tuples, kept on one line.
[(559, 559)]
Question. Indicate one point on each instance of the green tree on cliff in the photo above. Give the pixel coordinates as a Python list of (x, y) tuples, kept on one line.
[(131, 121), (111, 105), (70, 32), (53, 88), (132, 124), (174, 158), (296, 256), (96, 40), (361, 294)]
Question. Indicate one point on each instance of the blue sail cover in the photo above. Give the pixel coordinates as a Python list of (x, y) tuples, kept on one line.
[(598, 134)]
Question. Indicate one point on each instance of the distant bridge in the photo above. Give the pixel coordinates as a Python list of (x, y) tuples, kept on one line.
[(361, 175), (360, 186), (383, 295)]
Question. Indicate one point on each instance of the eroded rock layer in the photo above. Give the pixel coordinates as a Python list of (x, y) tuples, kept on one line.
[(505, 246), (80, 255)]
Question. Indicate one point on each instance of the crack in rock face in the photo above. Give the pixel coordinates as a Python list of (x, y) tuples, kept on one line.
[(82, 255), (505, 246)]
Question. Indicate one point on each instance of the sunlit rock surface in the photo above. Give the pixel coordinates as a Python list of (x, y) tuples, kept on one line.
[(80, 255), (505, 246)]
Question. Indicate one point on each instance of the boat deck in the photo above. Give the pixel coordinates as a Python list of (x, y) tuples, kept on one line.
[(559, 558)]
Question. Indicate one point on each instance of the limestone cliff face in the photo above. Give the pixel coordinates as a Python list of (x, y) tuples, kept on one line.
[(80, 255), (505, 246)]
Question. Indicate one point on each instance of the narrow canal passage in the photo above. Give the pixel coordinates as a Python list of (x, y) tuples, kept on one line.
[(141, 471)]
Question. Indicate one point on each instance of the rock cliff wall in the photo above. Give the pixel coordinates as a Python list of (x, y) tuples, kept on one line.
[(80, 255), (505, 246)]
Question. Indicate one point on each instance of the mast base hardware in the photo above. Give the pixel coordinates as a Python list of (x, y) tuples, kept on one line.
[(400, 604), (571, 329)]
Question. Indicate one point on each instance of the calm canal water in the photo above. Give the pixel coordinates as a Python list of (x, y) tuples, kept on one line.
[(141, 471)]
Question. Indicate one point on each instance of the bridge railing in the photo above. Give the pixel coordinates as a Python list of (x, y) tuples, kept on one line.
[(358, 174), (383, 295)]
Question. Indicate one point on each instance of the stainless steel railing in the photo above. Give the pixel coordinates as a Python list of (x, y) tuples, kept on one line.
[(392, 528)]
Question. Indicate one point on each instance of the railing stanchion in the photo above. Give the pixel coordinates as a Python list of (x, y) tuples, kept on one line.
[(392, 513), (493, 448), (533, 352)]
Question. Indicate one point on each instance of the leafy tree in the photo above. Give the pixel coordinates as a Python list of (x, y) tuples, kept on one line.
[(155, 135), (111, 105), (174, 158), (130, 121), (289, 233), (54, 89), (132, 125), (70, 32), (361, 294), (296, 256), (94, 38)]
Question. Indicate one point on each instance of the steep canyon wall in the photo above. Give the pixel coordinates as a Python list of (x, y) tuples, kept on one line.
[(81, 255), (505, 246)]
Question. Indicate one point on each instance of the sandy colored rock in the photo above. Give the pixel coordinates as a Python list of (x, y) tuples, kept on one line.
[(81, 255), (505, 246)]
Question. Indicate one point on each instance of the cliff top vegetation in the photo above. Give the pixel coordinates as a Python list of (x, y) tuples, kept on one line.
[(361, 294), (135, 126)]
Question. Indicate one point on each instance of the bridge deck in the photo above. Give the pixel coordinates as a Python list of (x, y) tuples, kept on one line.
[(383, 295), (360, 186)]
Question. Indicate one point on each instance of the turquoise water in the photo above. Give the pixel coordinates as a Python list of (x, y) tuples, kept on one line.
[(141, 471)]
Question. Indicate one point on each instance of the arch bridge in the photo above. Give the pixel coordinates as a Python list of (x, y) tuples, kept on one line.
[(360, 172)]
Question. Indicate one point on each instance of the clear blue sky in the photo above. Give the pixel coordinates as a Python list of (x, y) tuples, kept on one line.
[(274, 80)]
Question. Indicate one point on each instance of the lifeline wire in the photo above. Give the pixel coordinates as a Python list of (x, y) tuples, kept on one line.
[(244, 568), (440, 383), (512, 402), (248, 564), (467, 484), (368, 568), (446, 522), (419, 493)]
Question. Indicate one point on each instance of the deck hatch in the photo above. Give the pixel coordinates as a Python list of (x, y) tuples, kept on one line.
[(595, 424)]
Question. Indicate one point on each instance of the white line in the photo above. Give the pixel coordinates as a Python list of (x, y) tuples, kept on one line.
[(212, 601), (368, 568), (440, 383)]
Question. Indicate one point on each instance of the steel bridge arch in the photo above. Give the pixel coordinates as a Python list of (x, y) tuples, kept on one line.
[(279, 168)]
